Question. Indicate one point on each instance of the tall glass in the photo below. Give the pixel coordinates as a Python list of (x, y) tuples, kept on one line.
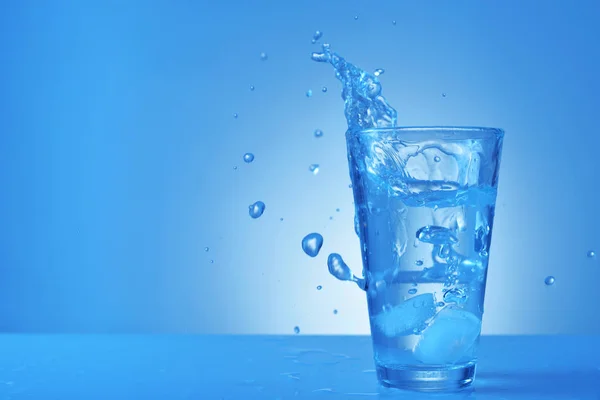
[(425, 199)]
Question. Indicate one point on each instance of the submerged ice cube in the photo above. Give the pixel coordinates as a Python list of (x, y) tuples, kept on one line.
[(449, 337), (407, 316)]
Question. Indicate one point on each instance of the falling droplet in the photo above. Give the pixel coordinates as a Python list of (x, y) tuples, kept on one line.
[(314, 168), (317, 36), (418, 263), (257, 209), (296, 330), (319, 287), (549, 281), (312, 243), (379, 71), (234, 167), (264, 56), (443, 94), (355, 17), (318, 133), (591, 254), (331, 218), (437, 159), (337, 210), (248, 157), (324, 89), (440, 304), (308, 93), (412, 291), (235, 115), (281, 219), (394, 22), (212, 261), (335, 311), (338, 268), (206, 249), (350, 186), (251, 88)]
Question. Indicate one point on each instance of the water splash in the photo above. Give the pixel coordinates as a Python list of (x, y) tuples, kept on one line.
[(312, 243), (317, 35), (257, 209), (338, 268), (248, 157), (365, 107)]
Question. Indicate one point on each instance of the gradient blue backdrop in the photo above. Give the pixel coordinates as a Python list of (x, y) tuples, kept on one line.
[(118, 146)]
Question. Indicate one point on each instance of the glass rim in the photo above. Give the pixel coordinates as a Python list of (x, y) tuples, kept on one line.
[(448, 132)]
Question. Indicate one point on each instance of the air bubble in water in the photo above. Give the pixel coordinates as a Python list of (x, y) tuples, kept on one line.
[(318, 133), (248, 157), (436, 235), (549, 281), (314, 168), (257, 209), (418, 263), (312, 243)]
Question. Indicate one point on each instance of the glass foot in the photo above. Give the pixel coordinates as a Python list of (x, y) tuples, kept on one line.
[(426, 379)]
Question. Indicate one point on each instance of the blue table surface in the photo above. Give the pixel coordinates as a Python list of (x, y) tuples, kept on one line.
[(275, 367)]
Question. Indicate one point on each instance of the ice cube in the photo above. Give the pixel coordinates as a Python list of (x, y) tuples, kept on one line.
[(449, 337), (408, 315)]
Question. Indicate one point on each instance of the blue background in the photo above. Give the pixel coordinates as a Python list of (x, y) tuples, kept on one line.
[(118, 147)]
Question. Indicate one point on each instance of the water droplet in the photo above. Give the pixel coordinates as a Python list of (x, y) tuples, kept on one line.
[(212, 261), (418, 263), (314, 168), (235, 167), (394, 22), (318, 133), (319, 287), (264, 56), (308, 93), (317, 35), (443, 94), (591, 254), (337, 210), (281, 219), (549, 281), (350, 186), (312, 243), (440, 304), (324, 89), (338, 268), (248, 157), (378, 71), (335, 311), (251, 88), (296, 330), (355, 17), (331, 218), (235, 115), (257, 209), (436, 235), (412, 291), (437, 159), (206, 249)]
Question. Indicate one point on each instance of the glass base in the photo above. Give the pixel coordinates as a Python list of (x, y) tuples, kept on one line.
[(427, 379)]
